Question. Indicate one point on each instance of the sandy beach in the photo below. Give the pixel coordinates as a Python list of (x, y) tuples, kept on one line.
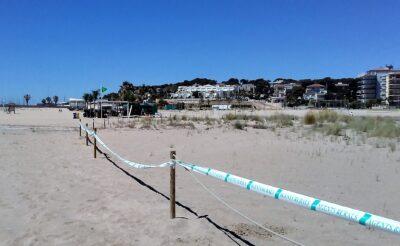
[(53, 192)]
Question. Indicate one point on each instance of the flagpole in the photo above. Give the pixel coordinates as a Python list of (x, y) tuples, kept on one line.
[(101, 102)]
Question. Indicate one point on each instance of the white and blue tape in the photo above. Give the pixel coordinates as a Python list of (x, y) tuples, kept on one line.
[(363, 218)]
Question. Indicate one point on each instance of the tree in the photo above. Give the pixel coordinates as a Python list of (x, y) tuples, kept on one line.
[(112, 96), (95, 95), (87, 97), (55, 99), (295, 96), (126, 91), (231, 81), (27, 97), (48, 100), (43, 101)]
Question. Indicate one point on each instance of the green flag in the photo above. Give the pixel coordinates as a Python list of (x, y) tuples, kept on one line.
[(103, 89)]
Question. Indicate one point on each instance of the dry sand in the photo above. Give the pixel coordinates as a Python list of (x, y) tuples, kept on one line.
[(53, 192)]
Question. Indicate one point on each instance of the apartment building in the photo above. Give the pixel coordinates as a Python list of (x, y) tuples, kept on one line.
[(373, 84), (393, 89)]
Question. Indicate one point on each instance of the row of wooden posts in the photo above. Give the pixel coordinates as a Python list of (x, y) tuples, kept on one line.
[(171, 170)]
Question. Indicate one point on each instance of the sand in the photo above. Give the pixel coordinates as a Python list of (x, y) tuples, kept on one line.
[(54, 192)]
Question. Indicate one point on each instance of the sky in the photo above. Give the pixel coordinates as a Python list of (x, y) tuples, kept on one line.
[(66, 47)]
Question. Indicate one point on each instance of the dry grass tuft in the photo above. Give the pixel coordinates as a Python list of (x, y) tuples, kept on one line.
[(310, 119)]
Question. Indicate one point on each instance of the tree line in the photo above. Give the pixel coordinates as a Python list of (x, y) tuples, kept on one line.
[(263, 89)]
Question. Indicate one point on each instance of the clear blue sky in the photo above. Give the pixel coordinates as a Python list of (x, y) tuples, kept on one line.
[(67, 47)]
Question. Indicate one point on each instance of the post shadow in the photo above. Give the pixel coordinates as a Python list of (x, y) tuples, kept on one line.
[(229, 233)]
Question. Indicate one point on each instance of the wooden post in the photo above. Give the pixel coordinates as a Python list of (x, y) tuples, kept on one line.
[(172, 187), (93, 124), (80, 128), (94, 144), (104, 123), (87, 136)]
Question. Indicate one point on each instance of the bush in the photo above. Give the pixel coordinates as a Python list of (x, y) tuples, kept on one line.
[(333, 129), (282, 120), (328, 116), (238, 125), (229, 117), (146, 123), (310, 119), (385, 128)]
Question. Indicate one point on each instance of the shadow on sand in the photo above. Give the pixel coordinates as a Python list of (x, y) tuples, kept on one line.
[(229, 233)]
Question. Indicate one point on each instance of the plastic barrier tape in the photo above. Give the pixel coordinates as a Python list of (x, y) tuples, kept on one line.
[(314, 204)]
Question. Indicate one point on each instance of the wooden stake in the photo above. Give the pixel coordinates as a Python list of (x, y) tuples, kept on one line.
[(172, 187), (80, 128), (87, 136), (93, 124), (94, 144), (104, 123)]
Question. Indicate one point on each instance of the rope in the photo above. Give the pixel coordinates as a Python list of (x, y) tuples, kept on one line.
[(349, 214), (130, 163), (240, 213)]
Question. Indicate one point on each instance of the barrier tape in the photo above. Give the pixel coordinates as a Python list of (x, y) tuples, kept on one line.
[(363, 218), (130, 163), (314, 204)]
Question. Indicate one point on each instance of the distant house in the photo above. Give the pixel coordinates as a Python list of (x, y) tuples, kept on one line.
[(280, 91), (315, 92), (75, 103), (205, 91), (221, 107), (247, 88)]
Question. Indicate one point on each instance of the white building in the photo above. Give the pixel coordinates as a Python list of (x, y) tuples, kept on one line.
[(315, 92), (206, 91), (281, 90), (75, 103)]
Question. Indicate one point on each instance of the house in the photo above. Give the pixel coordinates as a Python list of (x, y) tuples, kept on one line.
[(315, 92), (75, 103), (204, 91), (281, 90)]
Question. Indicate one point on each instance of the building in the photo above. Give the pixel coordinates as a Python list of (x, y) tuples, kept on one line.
[(247, 88), (75, 103), (315, 92), (281, 90), (375, 81), (204, 91), (367, 88), (393, 89)]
